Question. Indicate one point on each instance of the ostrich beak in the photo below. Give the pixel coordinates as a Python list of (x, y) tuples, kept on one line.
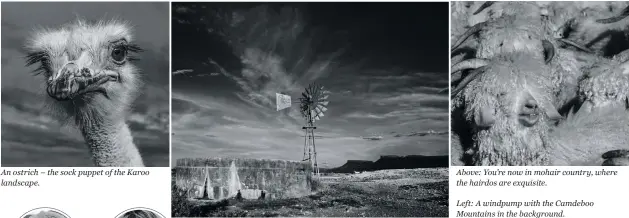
[(72, 81)]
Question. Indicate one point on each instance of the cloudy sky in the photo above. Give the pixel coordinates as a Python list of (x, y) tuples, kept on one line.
[(30, 137), (384, 64)]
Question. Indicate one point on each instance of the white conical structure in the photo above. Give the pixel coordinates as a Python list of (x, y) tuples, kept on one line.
[(209, 189), (234, 181)]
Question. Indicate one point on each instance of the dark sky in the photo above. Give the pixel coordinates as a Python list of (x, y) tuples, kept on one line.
[(30, 136), (409, 34), (383, 63)]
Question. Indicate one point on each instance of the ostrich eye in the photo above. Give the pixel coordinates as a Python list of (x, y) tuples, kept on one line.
[(119, 54)]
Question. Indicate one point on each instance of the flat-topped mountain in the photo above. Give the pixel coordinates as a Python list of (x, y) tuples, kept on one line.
[(391, 162)]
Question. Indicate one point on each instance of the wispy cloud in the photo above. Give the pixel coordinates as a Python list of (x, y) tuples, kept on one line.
[(278, 51)]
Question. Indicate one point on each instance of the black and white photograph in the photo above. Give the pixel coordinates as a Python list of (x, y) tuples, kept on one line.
[(85, 84), (140, 213), (310, 109), (45, 212), (540, 83)]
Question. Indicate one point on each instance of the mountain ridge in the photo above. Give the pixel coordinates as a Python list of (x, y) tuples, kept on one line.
[(390, 162)]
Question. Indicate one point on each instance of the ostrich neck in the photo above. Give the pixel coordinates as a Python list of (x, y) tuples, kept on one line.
[(111, 144)]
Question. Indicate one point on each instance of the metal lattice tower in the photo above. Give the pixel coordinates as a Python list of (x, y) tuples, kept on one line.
[(312, 104)]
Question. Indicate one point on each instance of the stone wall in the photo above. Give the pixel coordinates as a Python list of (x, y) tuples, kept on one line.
[(221, 178)]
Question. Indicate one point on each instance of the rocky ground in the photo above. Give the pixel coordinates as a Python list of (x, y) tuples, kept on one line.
[(384, 193)]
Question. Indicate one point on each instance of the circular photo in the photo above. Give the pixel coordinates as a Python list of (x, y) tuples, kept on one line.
[(140, 213), (45, 212)]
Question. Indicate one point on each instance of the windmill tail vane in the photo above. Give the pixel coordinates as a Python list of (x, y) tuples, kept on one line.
[(313, 103), (282, 101)]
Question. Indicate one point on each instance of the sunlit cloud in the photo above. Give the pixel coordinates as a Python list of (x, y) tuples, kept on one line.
[(277, 51)]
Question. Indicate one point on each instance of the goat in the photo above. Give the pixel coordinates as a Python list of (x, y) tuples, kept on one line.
[(606, 83), (591, 138), (504, 111), (599, 27), (507, 103)]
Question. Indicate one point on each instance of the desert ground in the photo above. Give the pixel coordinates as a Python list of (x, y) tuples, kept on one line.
[(383, 193)]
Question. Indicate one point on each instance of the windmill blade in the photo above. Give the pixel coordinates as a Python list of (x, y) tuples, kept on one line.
[(318, 111), (319, 92), (314, 102), (304, 114), (324, 97), (303, 102), (321, 108), (317, 89), (307, 93), (319, 114), (310, 89), (314, 93)]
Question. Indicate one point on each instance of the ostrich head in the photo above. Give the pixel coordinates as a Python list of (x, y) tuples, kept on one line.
[(87, 68)]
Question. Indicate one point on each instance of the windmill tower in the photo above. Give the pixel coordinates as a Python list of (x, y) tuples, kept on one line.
[(312, 104)]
